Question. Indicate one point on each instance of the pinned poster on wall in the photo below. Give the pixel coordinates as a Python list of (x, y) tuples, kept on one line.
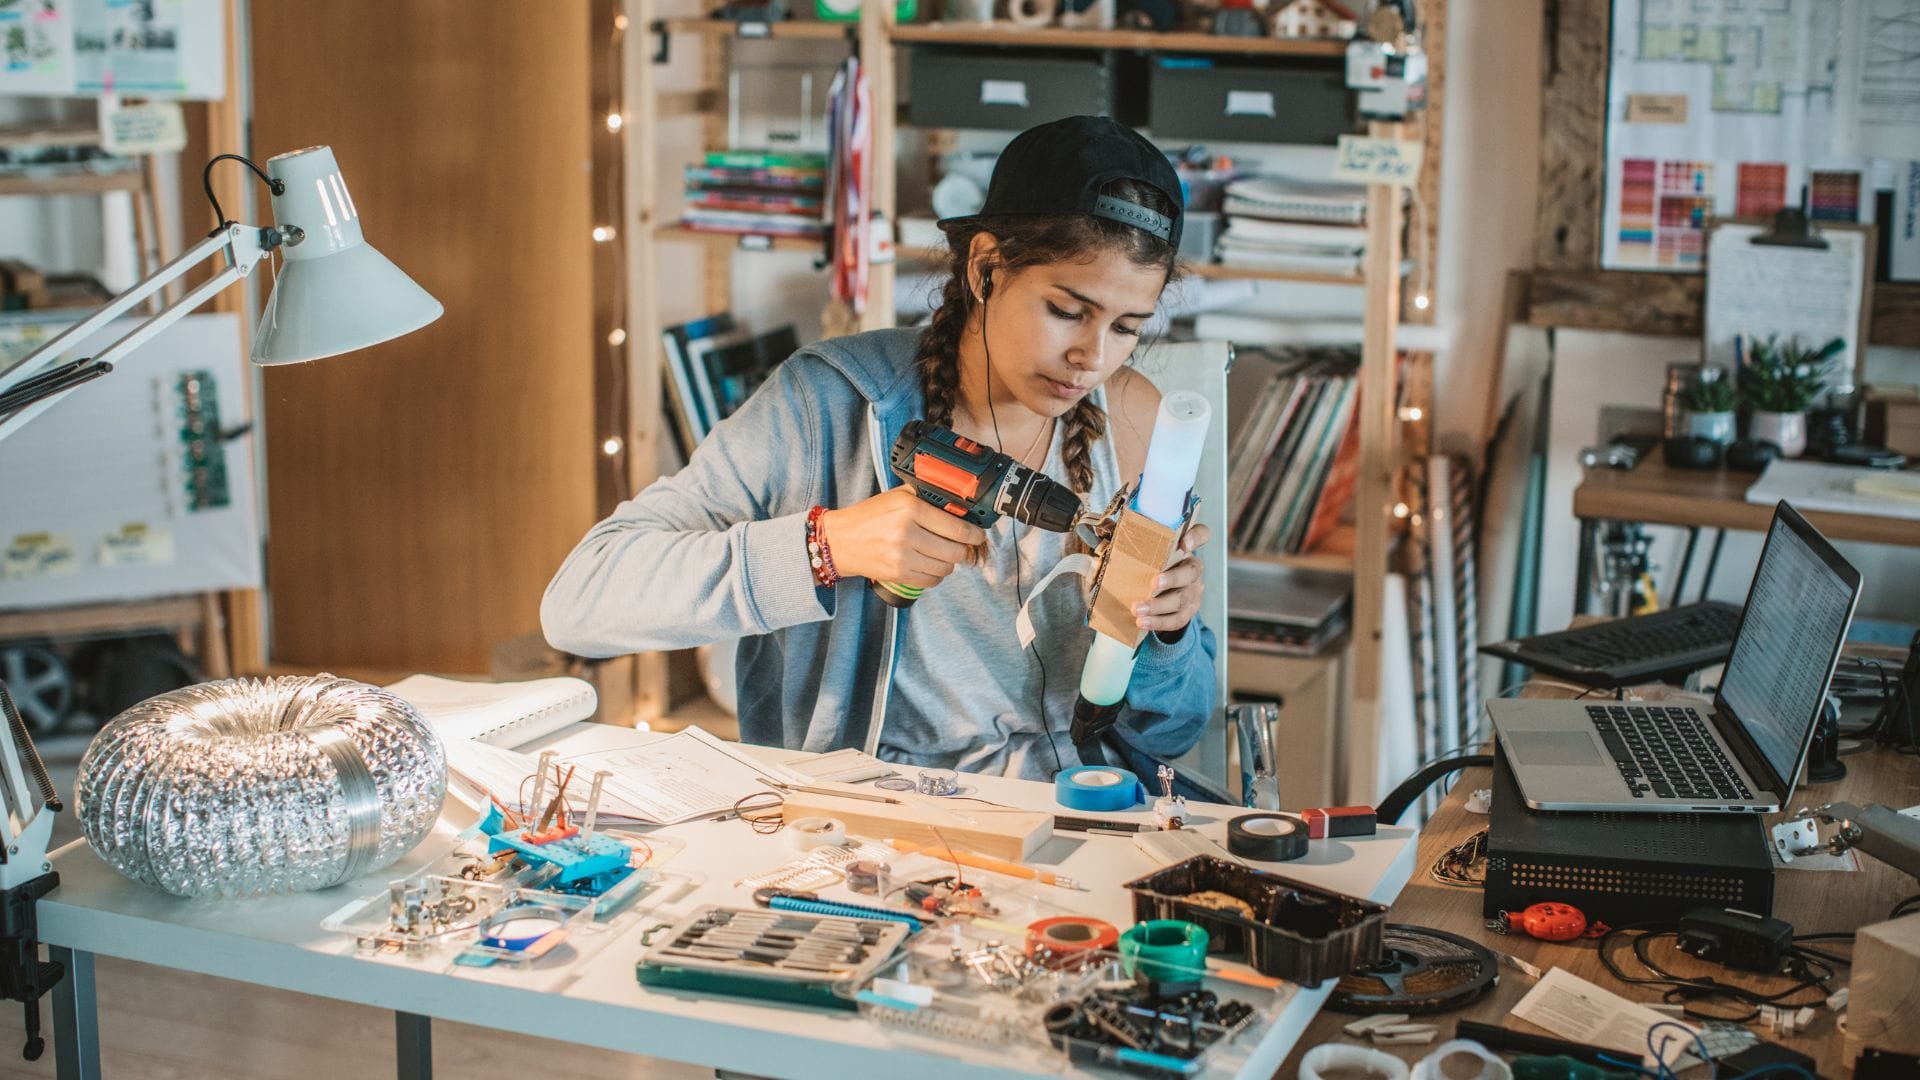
[(1721, 108), (150, 48), (36, 47)]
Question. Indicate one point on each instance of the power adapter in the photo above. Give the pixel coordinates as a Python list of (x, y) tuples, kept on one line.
[(1735, 939)]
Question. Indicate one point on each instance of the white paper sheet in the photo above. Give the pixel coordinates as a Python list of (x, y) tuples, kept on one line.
[(1721, 108), (1877, 99), (1572, 1008), (1757, 290), (659, 779), (36, 48), (1814, 485)]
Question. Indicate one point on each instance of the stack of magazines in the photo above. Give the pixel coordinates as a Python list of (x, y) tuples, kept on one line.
[(750, 191), (712, 366), (1274, 223), (1293, 465)]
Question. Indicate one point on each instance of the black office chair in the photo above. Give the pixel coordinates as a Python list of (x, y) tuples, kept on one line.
[(1394, 806)]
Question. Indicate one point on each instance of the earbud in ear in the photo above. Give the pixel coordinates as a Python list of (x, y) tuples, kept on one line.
[(986, 284)]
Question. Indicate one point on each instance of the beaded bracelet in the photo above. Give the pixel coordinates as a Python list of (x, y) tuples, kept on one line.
[(819, 556)]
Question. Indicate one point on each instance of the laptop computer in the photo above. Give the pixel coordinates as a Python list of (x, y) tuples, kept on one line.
[(1745, 753)]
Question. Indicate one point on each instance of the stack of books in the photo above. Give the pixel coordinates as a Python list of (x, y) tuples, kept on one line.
[(754, 192), (1284, 610), (1294, 462), (712, 367), (1273, 223)]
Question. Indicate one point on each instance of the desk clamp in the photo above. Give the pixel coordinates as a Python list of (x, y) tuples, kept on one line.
[(26, 875)]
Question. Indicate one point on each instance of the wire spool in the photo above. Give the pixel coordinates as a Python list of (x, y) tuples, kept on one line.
[(1267, 837), (1420, 971), (1056, 942)]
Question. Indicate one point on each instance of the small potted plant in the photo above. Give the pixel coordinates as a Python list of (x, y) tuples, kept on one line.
[(1707, 405), (1778, 381)]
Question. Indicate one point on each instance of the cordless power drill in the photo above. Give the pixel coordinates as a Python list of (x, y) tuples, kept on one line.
[(974, 483)]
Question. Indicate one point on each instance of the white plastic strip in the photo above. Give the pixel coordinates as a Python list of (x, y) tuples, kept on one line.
[(1081, 564)]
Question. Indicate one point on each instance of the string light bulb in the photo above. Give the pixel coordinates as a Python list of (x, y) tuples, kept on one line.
[(619, 22), (612, 446), (615, 121), (617, 336), (603, 233), (1420, 302), (1401, 510), (1411, 413)]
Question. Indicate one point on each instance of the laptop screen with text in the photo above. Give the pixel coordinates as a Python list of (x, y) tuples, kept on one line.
[(1797, 614)]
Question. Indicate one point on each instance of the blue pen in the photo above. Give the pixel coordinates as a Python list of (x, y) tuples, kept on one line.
[(835, 909)]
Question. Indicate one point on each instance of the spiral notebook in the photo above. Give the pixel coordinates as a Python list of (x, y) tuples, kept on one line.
[(505, 714)]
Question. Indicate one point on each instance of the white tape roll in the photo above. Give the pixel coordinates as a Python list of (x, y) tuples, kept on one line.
[(1491, 1068), (808, 833), (1375, 1063), (1032, 14)]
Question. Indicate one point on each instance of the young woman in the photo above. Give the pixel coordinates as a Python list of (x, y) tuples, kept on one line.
[(788, 508)]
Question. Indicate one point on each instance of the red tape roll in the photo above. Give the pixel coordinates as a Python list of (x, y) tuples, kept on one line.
[(1053, 942)]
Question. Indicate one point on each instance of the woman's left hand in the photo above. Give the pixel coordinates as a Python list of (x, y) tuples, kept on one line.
[(1176, 592)]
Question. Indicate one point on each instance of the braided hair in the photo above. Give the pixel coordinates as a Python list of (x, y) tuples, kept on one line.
[(1029, 241)]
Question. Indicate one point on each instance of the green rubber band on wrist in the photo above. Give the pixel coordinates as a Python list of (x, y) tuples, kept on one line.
[(1164, 949), (911, 592)]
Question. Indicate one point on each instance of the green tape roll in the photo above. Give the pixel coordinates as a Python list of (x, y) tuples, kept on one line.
[(1164, 949)]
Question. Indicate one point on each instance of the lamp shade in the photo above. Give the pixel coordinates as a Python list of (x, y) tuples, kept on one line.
[(333, 292)]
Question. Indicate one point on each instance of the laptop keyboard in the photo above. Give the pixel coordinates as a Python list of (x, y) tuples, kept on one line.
[(1668, 751)]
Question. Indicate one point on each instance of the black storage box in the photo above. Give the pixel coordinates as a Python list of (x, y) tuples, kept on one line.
[(1299, 932), (1237, 101), (1622, 868), (1006, 90)]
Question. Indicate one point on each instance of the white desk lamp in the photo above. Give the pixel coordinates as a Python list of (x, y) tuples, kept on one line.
[(334, 294)]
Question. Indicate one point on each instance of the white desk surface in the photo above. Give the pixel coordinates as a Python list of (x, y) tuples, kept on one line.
[(278, 942)]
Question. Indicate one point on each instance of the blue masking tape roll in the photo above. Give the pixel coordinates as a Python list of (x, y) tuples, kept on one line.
[(1098, 787)]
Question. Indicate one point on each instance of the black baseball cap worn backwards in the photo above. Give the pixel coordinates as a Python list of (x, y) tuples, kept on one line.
[(1060, 167)]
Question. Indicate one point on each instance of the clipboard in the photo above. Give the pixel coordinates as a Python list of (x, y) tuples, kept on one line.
[(1788, 277)]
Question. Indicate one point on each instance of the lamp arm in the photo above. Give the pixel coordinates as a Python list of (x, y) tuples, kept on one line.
[(245, 246), (1891, 837)]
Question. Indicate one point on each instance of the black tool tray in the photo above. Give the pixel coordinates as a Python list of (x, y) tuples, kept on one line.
[(1299, 932)]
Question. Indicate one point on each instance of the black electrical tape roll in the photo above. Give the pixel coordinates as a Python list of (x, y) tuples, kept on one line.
[(1267, 837)]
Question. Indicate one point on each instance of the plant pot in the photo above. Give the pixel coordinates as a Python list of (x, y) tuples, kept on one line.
[(1716, 427), (1788, 431)]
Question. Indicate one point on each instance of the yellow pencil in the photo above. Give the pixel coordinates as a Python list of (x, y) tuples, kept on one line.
[(985, 862)]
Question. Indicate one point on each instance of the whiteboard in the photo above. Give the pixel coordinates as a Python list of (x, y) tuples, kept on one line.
[(95, 499)]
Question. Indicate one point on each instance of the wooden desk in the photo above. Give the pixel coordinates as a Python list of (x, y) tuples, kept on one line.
[(1695, 499), (1654, 494), (1813, 901)]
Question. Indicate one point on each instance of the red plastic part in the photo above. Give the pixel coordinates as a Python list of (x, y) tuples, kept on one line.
[(1553, 922), (1325, 821)]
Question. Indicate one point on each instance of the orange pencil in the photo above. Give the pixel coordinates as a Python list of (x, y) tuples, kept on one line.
[(986, 862)]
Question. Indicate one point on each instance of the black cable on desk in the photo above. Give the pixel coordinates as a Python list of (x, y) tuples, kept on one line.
[(1813, 972)]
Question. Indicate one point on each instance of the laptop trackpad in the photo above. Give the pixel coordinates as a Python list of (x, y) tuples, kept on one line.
[(1551, 747)]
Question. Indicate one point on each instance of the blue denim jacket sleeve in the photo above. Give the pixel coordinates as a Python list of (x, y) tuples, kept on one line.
[(1172, 694)]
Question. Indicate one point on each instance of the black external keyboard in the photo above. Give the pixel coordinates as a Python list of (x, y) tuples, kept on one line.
[(1666, 751), (1611, 653)]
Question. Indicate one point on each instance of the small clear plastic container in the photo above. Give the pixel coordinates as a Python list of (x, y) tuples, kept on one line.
[(1092, 1007)]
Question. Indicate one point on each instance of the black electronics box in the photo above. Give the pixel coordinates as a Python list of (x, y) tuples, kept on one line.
[(1013, 90), (1225, 100), (1622, 868)]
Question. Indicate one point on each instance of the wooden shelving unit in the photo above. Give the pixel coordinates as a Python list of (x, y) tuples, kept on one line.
[(737, 241), (1142, 40), (1363, 549), (74, 183)]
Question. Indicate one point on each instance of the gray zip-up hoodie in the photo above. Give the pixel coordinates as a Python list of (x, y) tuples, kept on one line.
[(718, 550)]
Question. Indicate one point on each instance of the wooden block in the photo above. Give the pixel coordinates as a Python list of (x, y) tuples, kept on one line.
[(1883, 996), (1003, 834), (1140, 549)]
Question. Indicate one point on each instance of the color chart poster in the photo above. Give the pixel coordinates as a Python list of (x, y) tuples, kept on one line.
[(1720, 108)]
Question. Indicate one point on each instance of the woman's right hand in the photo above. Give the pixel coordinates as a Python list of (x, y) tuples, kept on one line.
[(896, 536)]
